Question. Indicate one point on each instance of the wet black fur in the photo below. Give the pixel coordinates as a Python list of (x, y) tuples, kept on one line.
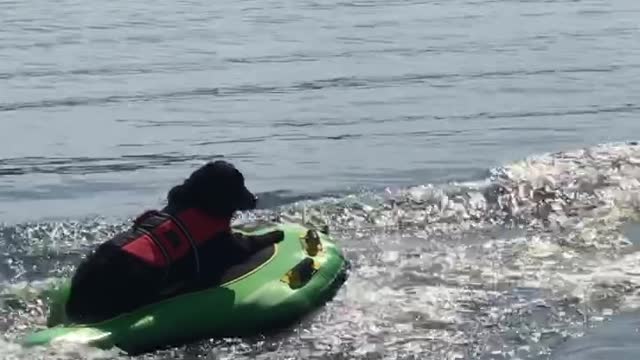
[(110, 281)]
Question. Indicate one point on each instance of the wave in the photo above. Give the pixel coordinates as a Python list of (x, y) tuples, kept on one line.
[(93, 165), (296, 87)]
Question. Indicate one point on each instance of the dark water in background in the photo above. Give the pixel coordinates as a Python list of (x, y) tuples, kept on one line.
[(103, 106)]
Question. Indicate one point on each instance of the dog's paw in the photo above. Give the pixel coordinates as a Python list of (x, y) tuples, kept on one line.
[(253, 243)]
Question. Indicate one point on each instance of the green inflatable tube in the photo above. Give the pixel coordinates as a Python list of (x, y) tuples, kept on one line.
[(273, 290)]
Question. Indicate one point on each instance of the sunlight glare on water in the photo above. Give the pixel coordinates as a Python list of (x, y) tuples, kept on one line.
[(452, 147)]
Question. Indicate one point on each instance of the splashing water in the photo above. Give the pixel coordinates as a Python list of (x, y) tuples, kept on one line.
[(504, 268)]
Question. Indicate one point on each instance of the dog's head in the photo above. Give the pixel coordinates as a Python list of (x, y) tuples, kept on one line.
[(216, 188)]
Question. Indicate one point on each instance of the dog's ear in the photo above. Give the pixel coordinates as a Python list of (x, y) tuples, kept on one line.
[(217, 188)]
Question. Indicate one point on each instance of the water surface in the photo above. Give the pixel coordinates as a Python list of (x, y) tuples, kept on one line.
[(423, 132)]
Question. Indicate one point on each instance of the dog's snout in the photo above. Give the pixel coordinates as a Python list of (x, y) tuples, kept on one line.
[(249, 201)]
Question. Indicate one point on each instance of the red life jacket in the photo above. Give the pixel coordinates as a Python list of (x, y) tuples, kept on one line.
[(162, 239)]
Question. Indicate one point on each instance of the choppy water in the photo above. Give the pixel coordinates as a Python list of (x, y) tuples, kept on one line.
[(472, 157)]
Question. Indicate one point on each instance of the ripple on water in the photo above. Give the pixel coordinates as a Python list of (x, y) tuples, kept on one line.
[(503, 268)]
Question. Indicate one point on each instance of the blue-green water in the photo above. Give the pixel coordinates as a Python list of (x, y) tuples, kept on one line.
[(402, 124)]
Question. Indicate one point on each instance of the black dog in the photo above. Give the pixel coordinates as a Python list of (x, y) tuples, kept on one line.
[(183, 247)]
